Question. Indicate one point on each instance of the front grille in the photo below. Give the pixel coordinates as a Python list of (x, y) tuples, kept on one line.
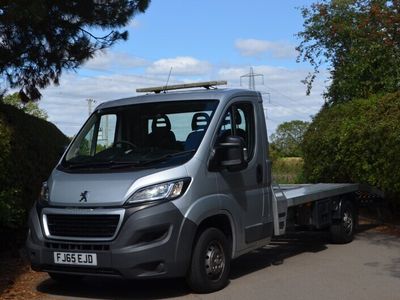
[(90, 226), (79, 247)]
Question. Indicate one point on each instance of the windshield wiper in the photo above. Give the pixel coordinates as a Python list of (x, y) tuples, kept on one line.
[(108, 164), (121, 164), (87, 164), (114, 164), (165, 157)]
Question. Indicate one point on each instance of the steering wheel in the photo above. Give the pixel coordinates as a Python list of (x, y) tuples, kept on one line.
[(123, 142)]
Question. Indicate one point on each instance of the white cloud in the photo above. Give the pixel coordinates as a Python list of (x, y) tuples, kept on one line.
[(66, 104), (181, 65), (254, 47), (104, 61), (284, 95), (281, 79)]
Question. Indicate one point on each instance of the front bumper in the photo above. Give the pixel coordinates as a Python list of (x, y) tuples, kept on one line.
[(152, 242)]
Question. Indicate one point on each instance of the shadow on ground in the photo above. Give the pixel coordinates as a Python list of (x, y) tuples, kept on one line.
[(114, 288), (279, 249)]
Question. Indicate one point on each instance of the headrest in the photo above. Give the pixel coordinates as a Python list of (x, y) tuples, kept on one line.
[(200, 121), (238, 119), (161, 122)]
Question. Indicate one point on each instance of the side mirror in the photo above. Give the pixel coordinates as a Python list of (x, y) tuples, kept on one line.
[(230, 154)]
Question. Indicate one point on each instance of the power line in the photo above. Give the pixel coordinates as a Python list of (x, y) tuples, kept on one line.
[(282, 94), (294, 110)]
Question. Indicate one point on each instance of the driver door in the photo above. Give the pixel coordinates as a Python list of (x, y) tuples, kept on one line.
[(245, 187)]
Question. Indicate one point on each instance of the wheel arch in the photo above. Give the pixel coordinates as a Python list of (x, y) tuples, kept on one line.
[(196, 221), (343, 227), (223, 221), (338, 205)]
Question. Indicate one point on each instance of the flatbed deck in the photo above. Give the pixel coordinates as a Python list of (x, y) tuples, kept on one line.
[(305, 193)]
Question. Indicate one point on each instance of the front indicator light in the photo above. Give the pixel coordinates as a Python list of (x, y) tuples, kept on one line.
[(44, 192)]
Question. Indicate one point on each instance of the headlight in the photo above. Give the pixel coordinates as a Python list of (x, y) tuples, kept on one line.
[(167, 190), (44, 192)]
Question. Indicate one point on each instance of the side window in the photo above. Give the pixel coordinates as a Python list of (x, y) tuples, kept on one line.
[(245, 128), (92, 144), (242, 124), (86, 144), (226, 126), (106, 132)]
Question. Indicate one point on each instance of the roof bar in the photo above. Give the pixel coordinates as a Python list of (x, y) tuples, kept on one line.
[(158, 89)]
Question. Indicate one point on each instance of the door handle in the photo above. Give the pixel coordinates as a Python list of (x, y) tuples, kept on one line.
[(259, 173)]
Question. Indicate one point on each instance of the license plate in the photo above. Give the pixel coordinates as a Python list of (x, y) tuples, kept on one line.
[(69, 258)]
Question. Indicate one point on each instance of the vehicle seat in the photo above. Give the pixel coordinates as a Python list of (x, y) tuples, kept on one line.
[(239, 132), (161, 135), (199, 125)]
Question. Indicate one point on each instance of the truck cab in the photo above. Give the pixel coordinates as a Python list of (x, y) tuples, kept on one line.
[(160, 185)]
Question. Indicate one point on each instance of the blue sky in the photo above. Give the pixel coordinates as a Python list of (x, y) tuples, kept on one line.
[(200, 40), (207, 29)]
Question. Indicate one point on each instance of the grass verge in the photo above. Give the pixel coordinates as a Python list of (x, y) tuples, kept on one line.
[(288, 170)]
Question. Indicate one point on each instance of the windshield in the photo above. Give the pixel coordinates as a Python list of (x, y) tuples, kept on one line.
[(141, 135)]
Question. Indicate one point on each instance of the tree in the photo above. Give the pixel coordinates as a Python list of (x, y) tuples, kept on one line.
[(29, 149), (356, 141), (30, 108), (358, 41), (41, 38), (288, 138)]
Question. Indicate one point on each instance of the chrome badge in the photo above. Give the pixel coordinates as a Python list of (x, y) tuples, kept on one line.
[(84, 196)]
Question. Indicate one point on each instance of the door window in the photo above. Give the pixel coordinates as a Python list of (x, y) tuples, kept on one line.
[(106, 133), (105, 129), (241, 124)]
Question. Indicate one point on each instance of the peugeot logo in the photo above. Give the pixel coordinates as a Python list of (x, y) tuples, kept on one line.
[(84, 196)]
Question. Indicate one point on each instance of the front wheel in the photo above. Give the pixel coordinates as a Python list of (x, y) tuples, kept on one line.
[(342, 231), (210, 264)]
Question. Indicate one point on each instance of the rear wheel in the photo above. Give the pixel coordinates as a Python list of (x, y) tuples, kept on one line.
[(342, 231), (65, 278), (210, 264)]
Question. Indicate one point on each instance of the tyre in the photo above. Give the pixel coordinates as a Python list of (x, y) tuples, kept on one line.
[(210, 263), (65, 278), (342, 231)]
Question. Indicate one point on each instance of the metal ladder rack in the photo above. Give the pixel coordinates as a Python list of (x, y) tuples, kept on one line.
[(205, 84)]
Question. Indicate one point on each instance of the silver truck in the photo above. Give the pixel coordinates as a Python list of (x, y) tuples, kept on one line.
[(173, 184)]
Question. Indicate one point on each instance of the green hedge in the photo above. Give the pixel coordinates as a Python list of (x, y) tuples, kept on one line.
[(358, 141), (29, 149)]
